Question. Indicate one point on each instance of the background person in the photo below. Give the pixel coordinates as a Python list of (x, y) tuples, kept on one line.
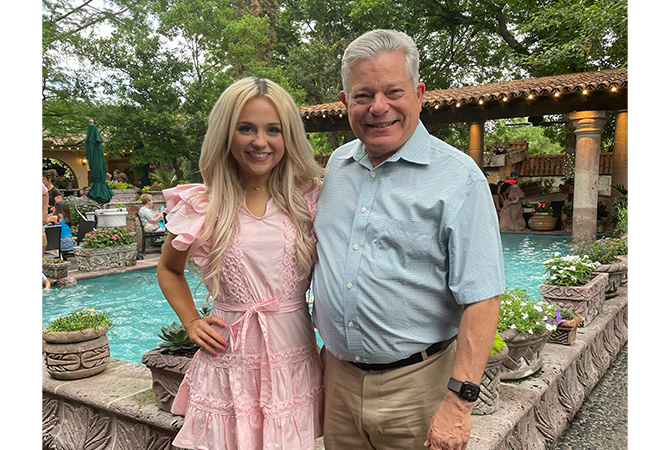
[(61, 216), (406, 263), (256, 382), (48, 177), (148, 217)]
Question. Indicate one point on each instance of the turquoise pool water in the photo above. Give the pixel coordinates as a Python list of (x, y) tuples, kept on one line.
[(138, 308)]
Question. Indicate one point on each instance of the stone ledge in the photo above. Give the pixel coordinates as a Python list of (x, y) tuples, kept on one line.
[(116, 409)]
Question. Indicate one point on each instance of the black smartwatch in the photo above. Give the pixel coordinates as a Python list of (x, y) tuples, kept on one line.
[(465, 389)]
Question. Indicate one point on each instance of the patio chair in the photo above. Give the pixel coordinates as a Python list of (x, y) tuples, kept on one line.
[(147, 235), (84, 227), (53, 233)]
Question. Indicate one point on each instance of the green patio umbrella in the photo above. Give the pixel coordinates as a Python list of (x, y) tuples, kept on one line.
[(99, 191)]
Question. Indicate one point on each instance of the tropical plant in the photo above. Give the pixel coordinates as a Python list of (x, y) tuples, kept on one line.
[(81, 320), (175, 340), (166, 178), (108, 237), (520, 313), (571, 270), (621, 227)]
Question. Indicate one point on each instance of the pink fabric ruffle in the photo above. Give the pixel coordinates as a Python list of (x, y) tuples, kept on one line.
[(186, 217)]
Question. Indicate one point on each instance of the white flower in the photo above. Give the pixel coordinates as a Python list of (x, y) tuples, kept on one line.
[(525, 316), (530, 331), (512, 327)]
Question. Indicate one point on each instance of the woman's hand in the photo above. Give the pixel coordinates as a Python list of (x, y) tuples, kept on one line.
[(201, 332)]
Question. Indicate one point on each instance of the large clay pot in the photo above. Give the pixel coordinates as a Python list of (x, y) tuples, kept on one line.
[(525, 354), (71, 355), (542, 222), (585, 301), (489, 394)]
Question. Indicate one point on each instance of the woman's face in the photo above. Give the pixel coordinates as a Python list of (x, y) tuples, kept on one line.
[(258, 142)]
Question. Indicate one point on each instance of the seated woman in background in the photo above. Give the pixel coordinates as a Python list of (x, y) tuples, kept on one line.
[(148, 217), (61, 216)]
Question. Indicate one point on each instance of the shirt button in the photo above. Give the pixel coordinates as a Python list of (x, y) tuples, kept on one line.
[(372, 174), (358, 358), (363, 209), (351, 324), (355, 246), (349, 285)]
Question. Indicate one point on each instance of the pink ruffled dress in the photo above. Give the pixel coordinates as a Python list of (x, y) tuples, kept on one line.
[(265, 390)]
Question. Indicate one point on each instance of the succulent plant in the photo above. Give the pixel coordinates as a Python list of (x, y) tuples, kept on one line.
[(175, 340)]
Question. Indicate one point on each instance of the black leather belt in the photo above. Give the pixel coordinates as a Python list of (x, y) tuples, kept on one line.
[(413, 359)]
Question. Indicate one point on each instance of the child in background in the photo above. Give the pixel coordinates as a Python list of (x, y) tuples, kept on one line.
[(46, 283), (61, 216)]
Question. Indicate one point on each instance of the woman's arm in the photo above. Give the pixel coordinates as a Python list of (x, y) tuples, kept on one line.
[(173, 283)]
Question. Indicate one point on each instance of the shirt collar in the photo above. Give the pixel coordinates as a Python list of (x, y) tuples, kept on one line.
[(415, 150)]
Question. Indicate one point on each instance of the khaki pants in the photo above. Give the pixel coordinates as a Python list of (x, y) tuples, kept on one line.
[(382, 410)]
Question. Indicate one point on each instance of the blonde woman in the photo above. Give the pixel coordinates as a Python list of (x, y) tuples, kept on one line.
[(256, 382)]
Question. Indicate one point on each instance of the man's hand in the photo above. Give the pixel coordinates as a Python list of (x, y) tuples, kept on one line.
[(450, 426)]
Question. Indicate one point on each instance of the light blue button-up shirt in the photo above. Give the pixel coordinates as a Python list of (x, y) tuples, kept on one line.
[(402, 248)]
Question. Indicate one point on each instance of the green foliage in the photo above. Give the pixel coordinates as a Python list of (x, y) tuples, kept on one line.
[(603, 251), (571, 270), (164, 177), (81, 320), (498, 344), (108, 237), (175, 340), (53, 261), (621, 227), (518, 312)]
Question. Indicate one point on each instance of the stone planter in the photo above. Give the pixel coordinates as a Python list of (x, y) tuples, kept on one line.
[(584, 301), (71, 355), (489, 395), (542, 221), (55, 270), (94, 259), (123, 196), (566, 333), (525, 354), (157, 196), (58, 274), (167, 372), (509, 158), (616, 272)]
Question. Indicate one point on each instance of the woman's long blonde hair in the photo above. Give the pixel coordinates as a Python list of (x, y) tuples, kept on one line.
[(289, 180)]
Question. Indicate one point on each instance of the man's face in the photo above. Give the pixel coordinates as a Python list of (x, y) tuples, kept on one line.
[(382, 103)]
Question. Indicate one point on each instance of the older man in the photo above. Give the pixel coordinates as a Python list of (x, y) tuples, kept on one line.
[(410, 265)]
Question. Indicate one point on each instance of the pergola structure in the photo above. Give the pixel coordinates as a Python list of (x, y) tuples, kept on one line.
[(585, 97)]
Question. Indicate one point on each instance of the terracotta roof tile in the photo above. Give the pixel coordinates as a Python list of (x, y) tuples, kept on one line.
[(563, 84)]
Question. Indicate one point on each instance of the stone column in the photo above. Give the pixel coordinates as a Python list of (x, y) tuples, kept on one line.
[(588, 130), (620, 159), (476, 143)]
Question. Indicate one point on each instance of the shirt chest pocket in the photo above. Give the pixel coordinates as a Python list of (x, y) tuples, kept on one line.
[(401, 249)]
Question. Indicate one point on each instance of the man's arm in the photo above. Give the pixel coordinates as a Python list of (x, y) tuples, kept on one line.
[(450, 426)]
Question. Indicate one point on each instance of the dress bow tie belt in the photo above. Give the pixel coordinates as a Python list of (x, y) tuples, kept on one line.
[(238, 332)]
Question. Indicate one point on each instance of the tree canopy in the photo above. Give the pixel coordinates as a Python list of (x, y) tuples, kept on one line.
[(149, 71)]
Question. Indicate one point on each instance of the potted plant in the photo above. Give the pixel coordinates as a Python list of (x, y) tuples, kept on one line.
[(76, 346), (57, 271), (606, 252), (489, 396), (542, 218), (566, 332), (525, 325), (106, 248), (169, 362), (530, 187), (571, 282)]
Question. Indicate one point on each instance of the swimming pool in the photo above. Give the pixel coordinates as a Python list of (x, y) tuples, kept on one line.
[(138, 308)]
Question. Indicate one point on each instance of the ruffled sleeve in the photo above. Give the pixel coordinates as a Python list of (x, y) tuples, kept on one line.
[(185, 218), (312, 196)]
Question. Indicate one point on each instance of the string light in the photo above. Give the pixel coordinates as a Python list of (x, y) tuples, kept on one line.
[(584, 92), (613, 88), (557, 94), (481, 101), (530, 96), (458, 104), (437, 106), (504, 99)]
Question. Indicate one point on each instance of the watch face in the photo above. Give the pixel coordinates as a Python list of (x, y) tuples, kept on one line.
[(470, 392)]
